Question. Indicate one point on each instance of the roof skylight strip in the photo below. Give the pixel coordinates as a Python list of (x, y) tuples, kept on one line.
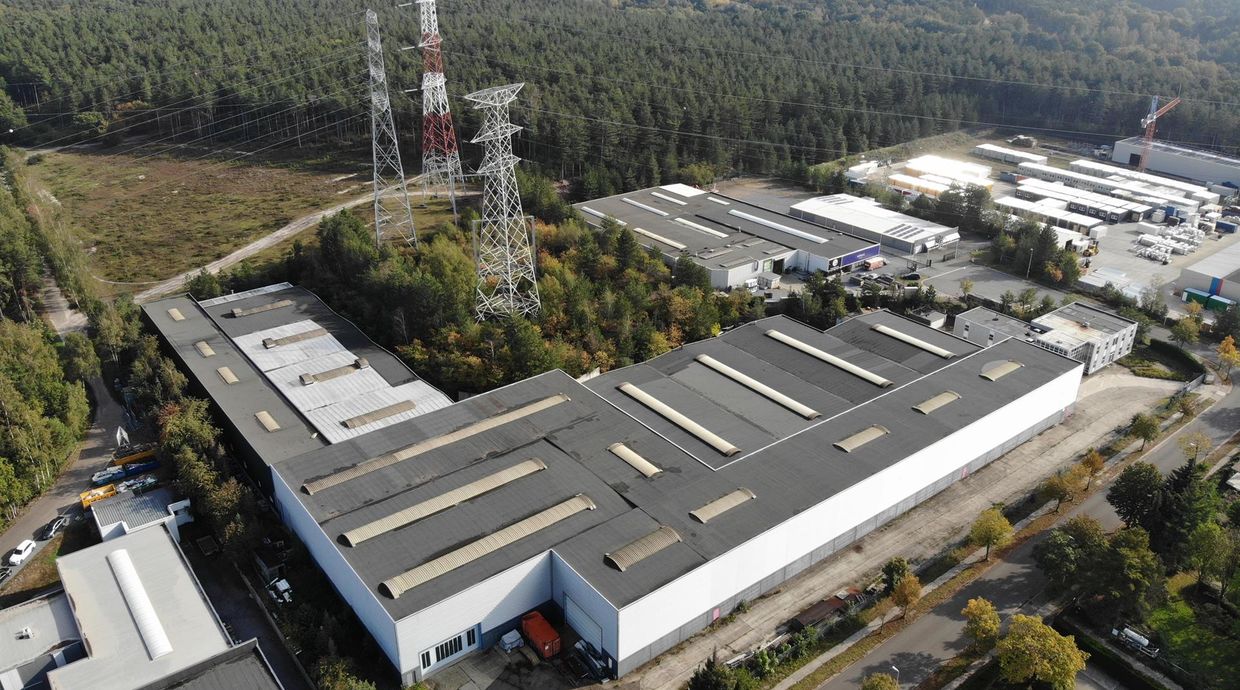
[(914, 341), (829, 358), (669, 413), (758, 387), (778, 226)]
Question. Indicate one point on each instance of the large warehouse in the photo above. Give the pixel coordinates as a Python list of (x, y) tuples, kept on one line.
[(1173, 159), (866, 218), (1217, 274), (733, 240), (649, 501)]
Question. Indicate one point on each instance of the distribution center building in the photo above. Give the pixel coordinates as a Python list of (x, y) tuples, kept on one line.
[(1182, 161), (735, 241), (866, 218), (649, 501)]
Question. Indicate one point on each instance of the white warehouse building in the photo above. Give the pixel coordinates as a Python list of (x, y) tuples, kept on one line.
[(1182, 161), (866, 218), (649, 501)]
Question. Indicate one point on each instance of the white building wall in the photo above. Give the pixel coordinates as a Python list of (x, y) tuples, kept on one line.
[(566, 581), (653, 617), (343, 577), (1193, 168), (489, 603)]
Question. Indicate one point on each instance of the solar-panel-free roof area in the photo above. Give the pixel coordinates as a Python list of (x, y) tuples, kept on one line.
[(428, 494)]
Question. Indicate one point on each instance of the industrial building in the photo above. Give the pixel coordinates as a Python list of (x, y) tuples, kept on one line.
[(129, 512), (950, 171), (649, 501), (738, 243), (1006, 155), (288, 374), (1181, 161), (1095, 337), (129, 614), (1124, 188), (1108, 208), (1114, 172), (866, 218), (1050, 211), (1217, 274)]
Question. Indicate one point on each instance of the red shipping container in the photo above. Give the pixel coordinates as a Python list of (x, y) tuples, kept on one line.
[(543, 638)]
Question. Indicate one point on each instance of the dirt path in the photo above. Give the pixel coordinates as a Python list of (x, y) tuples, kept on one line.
[(177, 282)]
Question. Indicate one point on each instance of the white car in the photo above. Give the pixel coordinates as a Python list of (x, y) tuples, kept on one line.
[(22, 552)]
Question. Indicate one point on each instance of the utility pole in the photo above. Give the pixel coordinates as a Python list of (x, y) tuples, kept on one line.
[(393, 216), (441, 156), (503, 237)]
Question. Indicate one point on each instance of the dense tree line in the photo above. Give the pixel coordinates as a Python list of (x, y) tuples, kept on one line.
[(631, 92)]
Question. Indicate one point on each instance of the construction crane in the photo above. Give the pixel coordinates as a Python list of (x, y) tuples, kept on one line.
[(1149, 122)]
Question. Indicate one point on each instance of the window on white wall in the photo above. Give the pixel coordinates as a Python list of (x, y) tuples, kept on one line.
[(450, 649)]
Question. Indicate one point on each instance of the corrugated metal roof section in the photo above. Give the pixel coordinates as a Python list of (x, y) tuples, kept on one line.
[(443, 501), (154, 637), (269, 423), (204, 348), (329, 419), (357, 365), (175, 314), (635, 460), (267, 359), (944, 398), (379, 414), (915, 342), (997, 370), (861, 438), (640, 549), (278, 304), (721, 505), (448, 562), (225, 299), (270, 343), (829, 358), (758, 387), (227, 375), (670, 414), (387, 459)]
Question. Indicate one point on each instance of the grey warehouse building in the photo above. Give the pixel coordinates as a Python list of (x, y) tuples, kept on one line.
[(866, 218), (733, 240), (648, 501)]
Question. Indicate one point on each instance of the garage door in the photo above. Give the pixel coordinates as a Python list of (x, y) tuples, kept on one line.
[(585, 626)]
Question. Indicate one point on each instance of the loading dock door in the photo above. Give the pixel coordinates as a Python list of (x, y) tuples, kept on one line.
[(585, 626)]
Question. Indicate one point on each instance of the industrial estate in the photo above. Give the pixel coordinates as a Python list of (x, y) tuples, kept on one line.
[(901, 326)]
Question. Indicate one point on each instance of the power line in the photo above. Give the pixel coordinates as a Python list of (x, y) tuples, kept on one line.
[(856, 66)]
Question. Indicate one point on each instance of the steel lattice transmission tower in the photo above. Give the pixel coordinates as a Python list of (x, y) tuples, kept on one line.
[(393, 216), (441, 156), (503, 237)]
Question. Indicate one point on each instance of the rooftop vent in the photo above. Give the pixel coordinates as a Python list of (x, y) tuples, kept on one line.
[(829, 358), (669, 413), (915, 342), (239, 312), (270, 343), (204, 348), (443, 502), (640, 549), (997, 370), (634, 460), (175, 314), (379, 414), (269, 423), (495, 541), (721, 505), (227, 375), (357, 365), (758, 387), (861, 438), (944, 398)]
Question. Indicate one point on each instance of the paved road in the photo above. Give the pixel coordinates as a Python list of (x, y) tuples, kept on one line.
[(176, 283), (1014, 585)]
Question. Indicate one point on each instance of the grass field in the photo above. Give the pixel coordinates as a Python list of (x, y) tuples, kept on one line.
[(144, 220), (1190, 641)]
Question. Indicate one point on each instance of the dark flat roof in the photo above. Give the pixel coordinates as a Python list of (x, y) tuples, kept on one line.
[(785, 459), (745, 238)]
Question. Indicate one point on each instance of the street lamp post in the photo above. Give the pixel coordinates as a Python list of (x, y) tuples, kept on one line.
[(893, 668)]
